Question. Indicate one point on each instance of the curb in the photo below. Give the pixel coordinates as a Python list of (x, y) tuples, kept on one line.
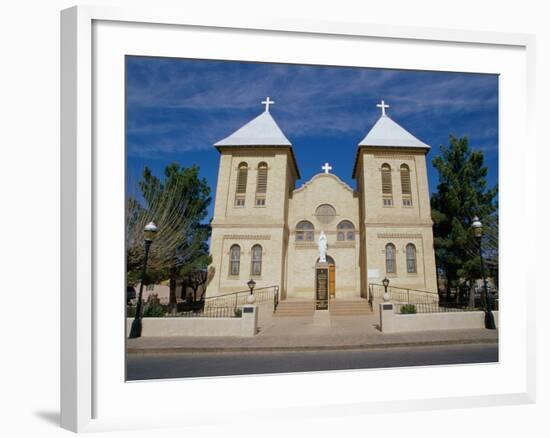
[(255, 349)]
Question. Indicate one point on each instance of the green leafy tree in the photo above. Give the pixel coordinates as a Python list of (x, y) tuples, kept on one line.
[(178, 205), (462, 193)]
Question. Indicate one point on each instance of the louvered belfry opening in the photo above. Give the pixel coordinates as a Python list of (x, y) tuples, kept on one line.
[(242, 178), (387, 193), (406, 185), (261, 185)]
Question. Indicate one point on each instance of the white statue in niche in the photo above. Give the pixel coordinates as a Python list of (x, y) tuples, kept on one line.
[(323, 246)]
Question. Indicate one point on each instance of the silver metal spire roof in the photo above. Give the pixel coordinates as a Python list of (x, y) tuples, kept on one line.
[(260, 131), (386, 132)]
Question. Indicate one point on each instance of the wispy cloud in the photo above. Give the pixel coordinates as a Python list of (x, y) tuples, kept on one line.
[(182, 105)]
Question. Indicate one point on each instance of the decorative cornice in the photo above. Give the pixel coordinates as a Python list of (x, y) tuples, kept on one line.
[(299, 245), (259, 152), (323, 175), (399, 225), (393, 157), (343, 244), (247, 225), (398, 236), (247, 237), (337, 244), (327, 232)]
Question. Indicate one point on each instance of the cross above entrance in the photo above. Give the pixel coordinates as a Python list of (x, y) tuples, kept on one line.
[(267, 102), (383, 106), (326, 167)]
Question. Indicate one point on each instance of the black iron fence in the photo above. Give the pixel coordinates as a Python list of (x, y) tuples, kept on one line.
[(220, 306), (428, 308), (463, 299), (408, 300)]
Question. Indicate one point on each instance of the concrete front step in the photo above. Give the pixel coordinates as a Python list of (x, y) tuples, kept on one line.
[(349, 307), (295, 308)]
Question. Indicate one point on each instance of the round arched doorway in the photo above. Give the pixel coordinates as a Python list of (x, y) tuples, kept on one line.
[(325, 282)]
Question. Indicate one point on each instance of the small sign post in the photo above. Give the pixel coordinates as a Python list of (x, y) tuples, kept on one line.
[(386, 316)]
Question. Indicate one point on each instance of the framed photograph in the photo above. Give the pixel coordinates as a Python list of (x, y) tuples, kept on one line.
[(253, 208)]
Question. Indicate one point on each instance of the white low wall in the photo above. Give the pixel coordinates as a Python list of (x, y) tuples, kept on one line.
[(391, 322), (245, 326)]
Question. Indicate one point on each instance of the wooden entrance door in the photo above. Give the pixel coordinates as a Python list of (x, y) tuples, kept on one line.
[(332, 281)]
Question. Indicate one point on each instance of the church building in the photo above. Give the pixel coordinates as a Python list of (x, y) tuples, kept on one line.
[(268, 229)]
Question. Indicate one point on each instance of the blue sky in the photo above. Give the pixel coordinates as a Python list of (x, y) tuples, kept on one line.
[(177, 108)]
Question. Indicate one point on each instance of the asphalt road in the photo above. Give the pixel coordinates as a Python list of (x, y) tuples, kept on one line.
[(141, 367)]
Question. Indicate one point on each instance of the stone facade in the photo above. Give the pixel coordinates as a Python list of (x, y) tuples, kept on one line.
[(289, 256)]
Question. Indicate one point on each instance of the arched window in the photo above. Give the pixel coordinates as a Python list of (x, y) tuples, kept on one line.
[(411, 258), (242, 178), (261, 184), (346, 231), (387, 193), (304, 231), (390, 258), (256, 268), (235, 260), (406, 185)]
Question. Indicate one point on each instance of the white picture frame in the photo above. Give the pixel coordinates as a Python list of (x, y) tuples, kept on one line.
[(86, 377)]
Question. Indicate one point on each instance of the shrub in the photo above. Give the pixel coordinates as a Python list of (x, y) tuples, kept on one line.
[(153, 310), (238, 313), (408, 308)]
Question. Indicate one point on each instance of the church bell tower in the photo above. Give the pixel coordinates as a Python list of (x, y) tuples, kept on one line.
[(257, 172), (394, 206)]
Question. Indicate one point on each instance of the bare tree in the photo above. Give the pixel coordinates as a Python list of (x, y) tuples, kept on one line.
[(178, 205)]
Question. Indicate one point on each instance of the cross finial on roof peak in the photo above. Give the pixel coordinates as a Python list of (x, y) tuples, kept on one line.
[(383, 105), (267, 102), (327, 167)]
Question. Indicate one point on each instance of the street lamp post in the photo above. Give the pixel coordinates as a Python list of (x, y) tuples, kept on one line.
[(386, 282), (489, 317), (149, 232), (251, 284)]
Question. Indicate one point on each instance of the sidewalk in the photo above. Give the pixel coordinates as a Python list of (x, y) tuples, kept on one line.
[(300, 334)]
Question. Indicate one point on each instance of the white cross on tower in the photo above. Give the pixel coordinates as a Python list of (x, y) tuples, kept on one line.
[(267, 102), (326, 167), (383, 106)]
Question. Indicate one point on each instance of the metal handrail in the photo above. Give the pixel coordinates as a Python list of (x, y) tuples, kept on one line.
[(408, 295), (247, 291), (405, 288), (261, 295)]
